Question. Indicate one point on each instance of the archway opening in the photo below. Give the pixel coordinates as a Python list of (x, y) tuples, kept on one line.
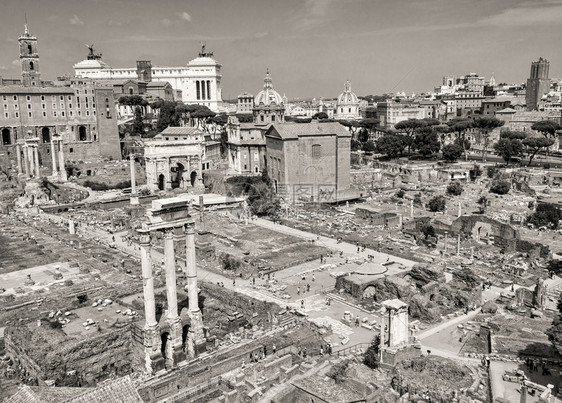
[(164, 338), (193, 178), (82, 133), (6, 137), (177, 178), (161, 180), (185, 332), (46, 135)]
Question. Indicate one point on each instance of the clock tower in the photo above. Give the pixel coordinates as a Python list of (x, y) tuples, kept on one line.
[(29, 59)]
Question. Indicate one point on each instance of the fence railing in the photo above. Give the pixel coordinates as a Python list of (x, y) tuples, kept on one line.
[(197, 390), (356, 348)]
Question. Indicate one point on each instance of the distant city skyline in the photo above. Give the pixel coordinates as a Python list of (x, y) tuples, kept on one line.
[(311, 47)]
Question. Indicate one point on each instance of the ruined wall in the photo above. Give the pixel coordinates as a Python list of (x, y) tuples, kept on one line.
[(94, 359), (469, 224)]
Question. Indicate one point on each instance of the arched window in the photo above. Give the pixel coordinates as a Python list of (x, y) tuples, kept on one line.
[(31, 66), (316, 150), (29, 48), (131, 91)]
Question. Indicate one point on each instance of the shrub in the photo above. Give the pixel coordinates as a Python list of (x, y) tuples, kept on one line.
[(437, 204), (454, 188), (475, 172), (546, 214), (491, 171), (337, 372), (500, 187), (400, 194), (371, 357)]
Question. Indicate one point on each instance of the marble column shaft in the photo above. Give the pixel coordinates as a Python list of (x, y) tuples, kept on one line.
[(54, 158), (147, 279), (31, 160), (170, 265), (61, 162), (26, 159), (133, 180), (18, 156), (191, 267), (36, 157)]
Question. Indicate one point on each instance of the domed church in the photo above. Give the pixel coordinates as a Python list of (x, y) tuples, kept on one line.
[(268, 104), (347, 106)]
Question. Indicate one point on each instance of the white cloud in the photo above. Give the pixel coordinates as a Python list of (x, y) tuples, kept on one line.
[(76, 21), (184, 16), (166, 22), (314, 14)]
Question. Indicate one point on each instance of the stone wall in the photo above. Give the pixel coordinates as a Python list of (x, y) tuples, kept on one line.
[(94, 359)]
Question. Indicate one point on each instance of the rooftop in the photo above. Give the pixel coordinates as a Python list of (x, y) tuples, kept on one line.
[(294, 130)]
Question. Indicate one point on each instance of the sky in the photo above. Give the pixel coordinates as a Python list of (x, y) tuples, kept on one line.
[(311, 47)]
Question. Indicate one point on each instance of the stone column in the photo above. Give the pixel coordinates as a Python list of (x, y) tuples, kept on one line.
[(411, 209), (71, 227), (153, 356), (196, 343), (54, 158), (26, 159), (18, 156), (36, 158), (173, 348), (31, 159), (460, 209), (445, 243), (62, 169), (133, 180), (458, 244)]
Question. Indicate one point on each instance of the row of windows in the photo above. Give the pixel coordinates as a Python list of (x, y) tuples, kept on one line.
[(54, 114), (44, 106), (53, 97)]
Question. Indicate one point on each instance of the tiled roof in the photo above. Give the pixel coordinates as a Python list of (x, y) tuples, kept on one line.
[(295, 130), (180, 131), (120, 390)]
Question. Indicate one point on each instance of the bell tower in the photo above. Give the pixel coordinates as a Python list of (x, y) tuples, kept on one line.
[(29, 59)]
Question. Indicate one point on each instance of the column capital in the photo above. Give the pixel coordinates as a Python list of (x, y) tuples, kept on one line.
[(168, 232), (190, 227), (144, 237)]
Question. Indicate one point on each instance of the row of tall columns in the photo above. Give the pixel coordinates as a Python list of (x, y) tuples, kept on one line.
[(195, 339), (30, 159)]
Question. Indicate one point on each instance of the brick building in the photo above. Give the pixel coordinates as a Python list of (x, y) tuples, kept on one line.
[(309, 161)]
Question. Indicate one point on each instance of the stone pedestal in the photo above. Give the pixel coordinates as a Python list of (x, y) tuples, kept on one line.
[(196, 342), (154, 361), (134, 200)]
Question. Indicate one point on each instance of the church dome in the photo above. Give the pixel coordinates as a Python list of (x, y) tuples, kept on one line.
[(268, 95), (347, 97)]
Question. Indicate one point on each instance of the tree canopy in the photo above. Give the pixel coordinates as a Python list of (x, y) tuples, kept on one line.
[(452, 152), (508, 149), (535, 144), (546, 214), (546, 127), (391, 145)]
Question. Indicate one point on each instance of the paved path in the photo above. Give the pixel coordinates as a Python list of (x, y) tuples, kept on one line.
[(454, 321), (331, 243)]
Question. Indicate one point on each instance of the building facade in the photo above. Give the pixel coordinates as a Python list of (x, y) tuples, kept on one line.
[(199, 82), (309, 162)]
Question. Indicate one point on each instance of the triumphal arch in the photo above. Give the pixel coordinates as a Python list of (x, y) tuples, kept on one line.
[(173, 159)]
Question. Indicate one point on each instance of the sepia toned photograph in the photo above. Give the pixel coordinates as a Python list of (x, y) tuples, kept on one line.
[(280, 201)]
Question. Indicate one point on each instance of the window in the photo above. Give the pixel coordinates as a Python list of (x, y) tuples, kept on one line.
[(261, 118), (87, 113), (15, 97), (28, 98), (28, 106), (71, 113), (62, 98), (71, 149), (17, 115), (54, 106), (29, 114), (273, 118), (4, 98), (55, 114), (316, 150), (70, 97), (43, 106), (53, 98), (6, 106), (6, 115), (62, 113), (44, 114), (62, 105)]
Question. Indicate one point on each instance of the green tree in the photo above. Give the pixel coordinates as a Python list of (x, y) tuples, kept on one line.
[(391, 145), (454, 188), (460, 126), (547, 128), (508, 149), (485, 125), (436, 204), (369, 147), (500, 187), (428, 231), (371, 358), (427, 141), (483, 202), (546, 214), (554, 266), (409, 127), (535, 144), (475, 172), (320, 115), (167, 115), (513, 135), (452, 152), (138, 124)]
